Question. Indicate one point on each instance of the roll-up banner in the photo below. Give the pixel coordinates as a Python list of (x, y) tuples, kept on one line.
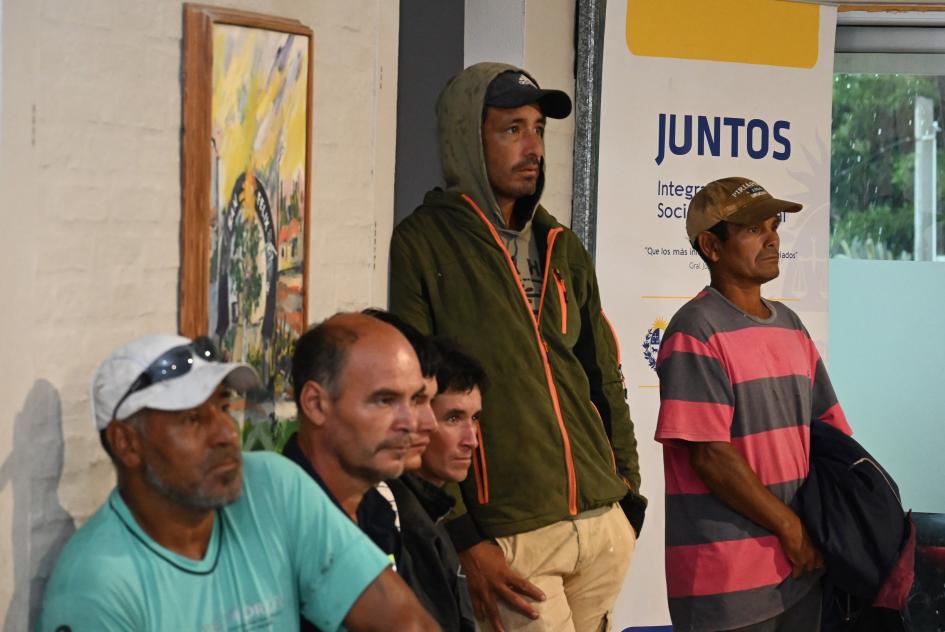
[(694, 91)]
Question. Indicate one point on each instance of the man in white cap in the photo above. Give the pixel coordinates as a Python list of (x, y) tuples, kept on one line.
[(197, 535), (740, 383)]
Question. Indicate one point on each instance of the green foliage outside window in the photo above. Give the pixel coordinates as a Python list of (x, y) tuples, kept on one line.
[(872, 163)]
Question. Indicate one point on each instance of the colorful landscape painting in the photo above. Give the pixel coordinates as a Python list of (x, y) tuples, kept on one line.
[(258, 193)]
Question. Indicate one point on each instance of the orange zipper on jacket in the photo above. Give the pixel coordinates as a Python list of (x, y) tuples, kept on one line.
[(562, 300), (553, 391), (479, 469), (613, 333)]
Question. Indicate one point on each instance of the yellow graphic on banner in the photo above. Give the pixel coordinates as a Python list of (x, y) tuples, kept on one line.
[(768, 32)]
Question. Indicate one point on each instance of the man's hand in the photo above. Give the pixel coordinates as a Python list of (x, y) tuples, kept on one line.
[(726, 472), (489, 578), (799, 549)]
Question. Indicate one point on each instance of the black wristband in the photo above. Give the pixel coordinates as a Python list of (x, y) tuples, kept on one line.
[(464, 533), (634, 507)]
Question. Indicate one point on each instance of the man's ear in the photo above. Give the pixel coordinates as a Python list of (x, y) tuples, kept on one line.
[(710, 245), (315, 402), (125, 443)]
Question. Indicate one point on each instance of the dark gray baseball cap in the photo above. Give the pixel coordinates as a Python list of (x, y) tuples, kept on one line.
[(513, 88)]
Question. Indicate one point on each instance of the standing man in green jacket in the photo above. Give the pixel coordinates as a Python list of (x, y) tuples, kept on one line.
[(540, 529)]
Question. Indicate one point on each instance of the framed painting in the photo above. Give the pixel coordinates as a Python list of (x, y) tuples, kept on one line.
[(245, 172)]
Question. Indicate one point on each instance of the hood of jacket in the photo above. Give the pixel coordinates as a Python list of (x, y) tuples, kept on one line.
[(459, 125)]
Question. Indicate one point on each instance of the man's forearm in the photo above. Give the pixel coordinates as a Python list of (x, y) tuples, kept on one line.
[(727, 474), (388, 594)]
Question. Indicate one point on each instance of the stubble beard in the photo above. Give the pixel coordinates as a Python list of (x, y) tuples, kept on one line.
[(197, 499), (526, 187), (394, 443), (511, 186), (527, 190), (771, 276)]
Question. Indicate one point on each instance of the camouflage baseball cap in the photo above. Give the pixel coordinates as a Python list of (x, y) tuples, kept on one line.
[(736, 200)]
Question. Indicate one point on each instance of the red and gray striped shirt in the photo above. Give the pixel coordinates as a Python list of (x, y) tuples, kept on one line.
[(757, 384)]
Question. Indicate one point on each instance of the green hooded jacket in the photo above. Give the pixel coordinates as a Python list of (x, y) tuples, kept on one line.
[(556, 438)]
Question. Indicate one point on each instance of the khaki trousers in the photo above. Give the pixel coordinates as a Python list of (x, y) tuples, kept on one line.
[(579, 564)]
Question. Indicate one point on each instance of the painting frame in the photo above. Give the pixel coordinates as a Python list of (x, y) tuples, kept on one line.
[(211, 200)]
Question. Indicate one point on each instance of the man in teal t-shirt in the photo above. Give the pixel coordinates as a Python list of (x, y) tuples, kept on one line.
[(198, 536)]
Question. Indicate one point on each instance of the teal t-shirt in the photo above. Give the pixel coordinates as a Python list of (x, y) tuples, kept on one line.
[(280, 550)]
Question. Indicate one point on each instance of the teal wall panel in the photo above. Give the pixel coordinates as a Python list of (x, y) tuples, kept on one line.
[(887, 364)]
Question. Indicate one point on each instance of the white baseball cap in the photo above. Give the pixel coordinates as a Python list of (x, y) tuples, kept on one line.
[(162, 372)]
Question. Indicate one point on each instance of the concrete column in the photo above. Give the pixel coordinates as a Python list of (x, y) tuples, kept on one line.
[(925, 178)]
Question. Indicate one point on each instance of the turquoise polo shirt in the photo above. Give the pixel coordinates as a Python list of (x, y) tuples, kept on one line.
[(281, 550)]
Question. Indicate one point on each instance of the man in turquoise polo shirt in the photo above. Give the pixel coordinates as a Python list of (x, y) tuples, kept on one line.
[(197, 535)]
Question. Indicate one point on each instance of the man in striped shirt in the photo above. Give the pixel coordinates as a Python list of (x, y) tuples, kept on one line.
[(740, 382)]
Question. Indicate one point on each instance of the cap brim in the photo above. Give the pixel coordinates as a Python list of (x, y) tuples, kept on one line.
[(761, 210), (553, 103), (192, 389)]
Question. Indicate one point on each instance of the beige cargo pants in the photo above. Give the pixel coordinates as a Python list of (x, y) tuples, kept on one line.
[(579, 564)]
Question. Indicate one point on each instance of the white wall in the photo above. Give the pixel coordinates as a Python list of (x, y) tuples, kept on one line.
[(886, 343), (90, 181), (549, 55)]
